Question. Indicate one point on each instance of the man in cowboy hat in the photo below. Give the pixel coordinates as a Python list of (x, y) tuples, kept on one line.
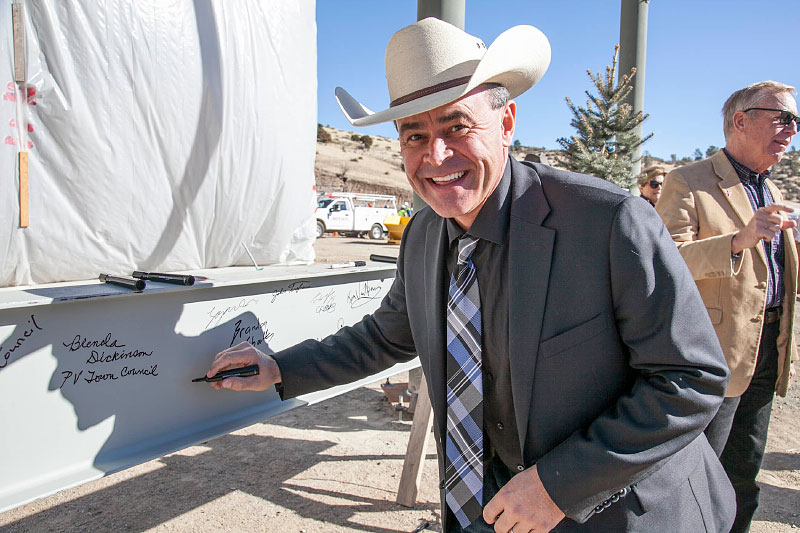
[(725, 215), (571, 365)]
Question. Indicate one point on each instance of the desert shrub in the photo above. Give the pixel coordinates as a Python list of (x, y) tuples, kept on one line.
[(323, 135), (365, 140)]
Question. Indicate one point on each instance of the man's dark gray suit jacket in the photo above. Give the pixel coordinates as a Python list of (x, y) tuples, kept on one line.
[(615, 366)]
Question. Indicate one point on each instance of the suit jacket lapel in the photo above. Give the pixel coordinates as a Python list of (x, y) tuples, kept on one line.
[(435, 272), (731, 186), (530, 255)]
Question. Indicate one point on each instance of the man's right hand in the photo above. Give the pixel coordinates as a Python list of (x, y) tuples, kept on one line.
[(244, 354), (766, 222)]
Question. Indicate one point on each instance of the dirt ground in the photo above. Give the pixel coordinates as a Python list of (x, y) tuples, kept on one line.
[(331, 467)]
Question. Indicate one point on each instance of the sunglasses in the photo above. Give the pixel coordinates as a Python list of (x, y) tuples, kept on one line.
[(784, 119), (656, 184)]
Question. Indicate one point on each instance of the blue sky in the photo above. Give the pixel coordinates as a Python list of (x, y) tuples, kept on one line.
[(698, 53)]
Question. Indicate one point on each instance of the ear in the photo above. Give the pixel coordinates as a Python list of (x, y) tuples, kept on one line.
[(508, 122), (740, 118)]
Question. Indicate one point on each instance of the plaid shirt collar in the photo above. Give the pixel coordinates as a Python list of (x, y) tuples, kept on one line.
[(745, 174)]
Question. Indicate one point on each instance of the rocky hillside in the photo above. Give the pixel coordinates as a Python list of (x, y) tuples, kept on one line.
[(786, 176), (346, 162)]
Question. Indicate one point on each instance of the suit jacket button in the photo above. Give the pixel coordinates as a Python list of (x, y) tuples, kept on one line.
[(441, 485), (500, 426), (758, 318), (762, 285), (520, 468)]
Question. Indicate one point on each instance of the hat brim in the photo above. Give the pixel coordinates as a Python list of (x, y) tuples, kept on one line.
[(517, 59)]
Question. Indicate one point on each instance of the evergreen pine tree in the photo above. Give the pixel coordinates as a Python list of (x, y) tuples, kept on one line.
[(606, 130)]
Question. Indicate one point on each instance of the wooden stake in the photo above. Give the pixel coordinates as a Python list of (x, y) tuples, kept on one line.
[(23, 189), (417, 445), (18, 30)]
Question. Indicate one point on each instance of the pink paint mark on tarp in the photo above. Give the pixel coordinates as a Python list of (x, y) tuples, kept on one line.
[(11, 95)]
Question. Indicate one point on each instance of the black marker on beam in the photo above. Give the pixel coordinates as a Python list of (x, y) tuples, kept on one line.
[(382, 258), (243, 372), (177, 279), (136, 285)]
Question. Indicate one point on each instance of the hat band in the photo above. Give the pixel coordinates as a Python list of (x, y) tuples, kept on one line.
[(430, 90)]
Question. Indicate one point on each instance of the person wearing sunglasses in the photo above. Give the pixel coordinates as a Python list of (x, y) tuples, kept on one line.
[(727, 219), (651, 182)]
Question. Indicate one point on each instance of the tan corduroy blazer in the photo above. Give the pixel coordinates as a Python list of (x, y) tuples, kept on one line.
[(702, 206)]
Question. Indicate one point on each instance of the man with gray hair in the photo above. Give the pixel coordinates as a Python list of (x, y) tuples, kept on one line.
[(728, 221)]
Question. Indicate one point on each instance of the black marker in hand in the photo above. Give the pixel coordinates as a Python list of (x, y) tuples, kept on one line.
[(243, 372)]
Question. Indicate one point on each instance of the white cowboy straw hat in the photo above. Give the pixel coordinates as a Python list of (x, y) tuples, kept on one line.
[(432, 63)]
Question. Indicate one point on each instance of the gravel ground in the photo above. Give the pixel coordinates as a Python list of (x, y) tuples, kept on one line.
[(331, 467)]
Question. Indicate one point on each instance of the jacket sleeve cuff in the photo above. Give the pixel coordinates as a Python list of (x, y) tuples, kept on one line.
[(711, 257), (558, 490)]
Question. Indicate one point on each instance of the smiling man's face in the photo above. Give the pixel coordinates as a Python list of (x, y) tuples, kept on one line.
[(455, 155)]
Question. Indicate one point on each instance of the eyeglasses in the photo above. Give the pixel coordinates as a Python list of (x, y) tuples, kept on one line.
[(656, 184), (785, 118)]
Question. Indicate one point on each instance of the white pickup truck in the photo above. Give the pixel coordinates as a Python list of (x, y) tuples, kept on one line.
[(354, 214)]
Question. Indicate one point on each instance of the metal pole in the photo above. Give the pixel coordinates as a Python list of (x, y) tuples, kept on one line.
[(451, 11), (633, 53)]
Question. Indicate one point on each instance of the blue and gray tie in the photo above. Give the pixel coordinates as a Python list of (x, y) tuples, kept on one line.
[(463, 477)]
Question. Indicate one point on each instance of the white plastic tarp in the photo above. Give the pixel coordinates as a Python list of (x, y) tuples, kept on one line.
[(162, 135)]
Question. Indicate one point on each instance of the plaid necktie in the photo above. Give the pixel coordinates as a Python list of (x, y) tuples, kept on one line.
[(463, 475)]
